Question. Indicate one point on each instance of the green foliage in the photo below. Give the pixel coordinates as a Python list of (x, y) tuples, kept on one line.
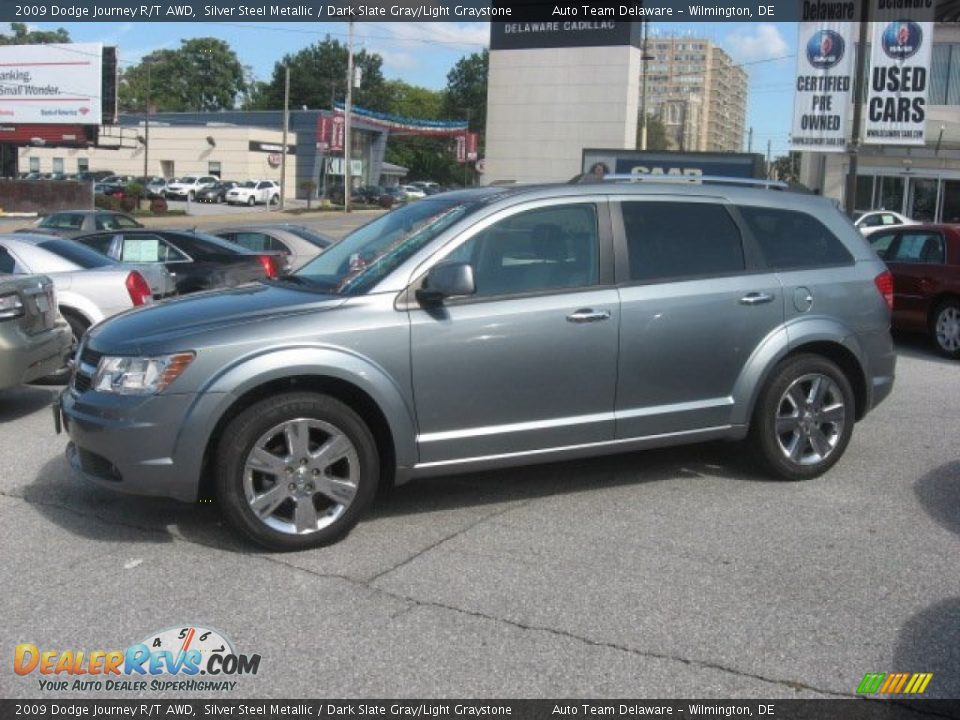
[(22, 35), (466, 93), (787, 167), (318, 77), (203, 74), (426, 158), (413, 101)]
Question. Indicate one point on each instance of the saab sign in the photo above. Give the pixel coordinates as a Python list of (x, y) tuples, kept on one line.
[(689, 164), (51, 84)]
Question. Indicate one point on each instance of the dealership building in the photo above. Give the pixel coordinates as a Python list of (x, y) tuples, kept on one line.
[(922, 182)]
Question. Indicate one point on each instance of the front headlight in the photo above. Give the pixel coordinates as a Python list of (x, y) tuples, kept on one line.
[(139, 375)]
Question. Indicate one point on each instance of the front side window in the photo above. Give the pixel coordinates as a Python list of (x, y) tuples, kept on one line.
[(792, 240), (548, 248), (680, 239)]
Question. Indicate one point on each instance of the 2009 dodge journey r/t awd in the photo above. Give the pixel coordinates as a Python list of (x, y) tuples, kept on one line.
[(488, 328)]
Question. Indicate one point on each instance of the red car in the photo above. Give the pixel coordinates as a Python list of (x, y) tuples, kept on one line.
[(925, 262)]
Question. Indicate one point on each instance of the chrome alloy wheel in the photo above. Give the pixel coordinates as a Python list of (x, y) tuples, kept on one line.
[(810, 419), (301, 476), (947, 329)]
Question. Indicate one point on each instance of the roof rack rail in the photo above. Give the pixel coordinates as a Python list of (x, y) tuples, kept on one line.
[(690, 180)]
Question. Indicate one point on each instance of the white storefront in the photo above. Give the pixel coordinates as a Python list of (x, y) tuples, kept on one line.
[(921, 182)]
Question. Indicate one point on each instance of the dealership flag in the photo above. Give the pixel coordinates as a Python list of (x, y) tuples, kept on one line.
[(823, 86), (901, 41)]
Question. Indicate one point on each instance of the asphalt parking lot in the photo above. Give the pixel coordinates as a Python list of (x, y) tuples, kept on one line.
[(673, 573)]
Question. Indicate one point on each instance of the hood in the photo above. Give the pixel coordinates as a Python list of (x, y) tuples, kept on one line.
[(180, 324)]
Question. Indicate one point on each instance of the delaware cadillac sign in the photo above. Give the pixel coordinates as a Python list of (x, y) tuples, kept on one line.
[(51, 84)]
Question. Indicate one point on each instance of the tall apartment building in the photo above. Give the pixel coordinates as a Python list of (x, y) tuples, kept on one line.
[(697, 92)]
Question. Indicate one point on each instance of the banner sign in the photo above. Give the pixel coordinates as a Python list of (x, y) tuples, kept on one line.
[(902, 42), (405, 125), (324, 130), (825, 69), (467, 147), (51, 84), (336, 133)]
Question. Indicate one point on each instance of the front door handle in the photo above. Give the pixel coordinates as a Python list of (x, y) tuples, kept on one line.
[(756, 298), (586, 315)]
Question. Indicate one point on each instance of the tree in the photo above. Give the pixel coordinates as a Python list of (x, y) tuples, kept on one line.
[(787, 167), (427, 158), (22, 35), (656, 134), (203, 74), (318, 78), (466, 93)]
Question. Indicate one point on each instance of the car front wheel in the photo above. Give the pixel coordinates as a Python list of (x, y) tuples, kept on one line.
[(804, 418), (251, 201), (945, 328), (296, 471)]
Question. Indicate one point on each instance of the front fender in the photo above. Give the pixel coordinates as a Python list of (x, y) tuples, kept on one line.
[(776, 346), (221, 391)]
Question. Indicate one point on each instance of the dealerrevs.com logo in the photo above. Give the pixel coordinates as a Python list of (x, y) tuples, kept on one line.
[(181, 653)]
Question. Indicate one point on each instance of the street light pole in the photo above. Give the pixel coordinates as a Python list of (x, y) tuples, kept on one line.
[(283, 144), (643, 90), (850, 196), (146, 129), (347, 145)]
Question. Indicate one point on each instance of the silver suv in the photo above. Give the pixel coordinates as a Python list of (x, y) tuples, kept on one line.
[(491, 328)]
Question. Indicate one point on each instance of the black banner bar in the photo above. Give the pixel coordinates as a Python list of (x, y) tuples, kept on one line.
[(852, 709), (584, 14)]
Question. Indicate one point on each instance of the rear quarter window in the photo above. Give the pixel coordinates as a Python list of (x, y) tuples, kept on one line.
[(794, 240)]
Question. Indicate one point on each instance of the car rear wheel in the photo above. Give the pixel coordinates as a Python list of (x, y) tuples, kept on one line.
[(804, 418), (251, 201), (945, 328), (296, 471)]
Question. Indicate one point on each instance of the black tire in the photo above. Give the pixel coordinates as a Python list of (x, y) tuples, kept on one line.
[(274, 199), (775, 409), (239, 439), (945, 328), (78, 326), (251, 201)]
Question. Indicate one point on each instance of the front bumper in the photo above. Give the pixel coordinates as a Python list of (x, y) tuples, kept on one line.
[(24, 358), (142, 445)]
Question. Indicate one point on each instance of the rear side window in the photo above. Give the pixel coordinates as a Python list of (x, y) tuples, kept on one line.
[(76, 253), (881, 243), (791, 240), (680, 239), (919, 247), (7, 263)]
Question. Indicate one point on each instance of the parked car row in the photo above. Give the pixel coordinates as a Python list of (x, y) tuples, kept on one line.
[(102, 263)]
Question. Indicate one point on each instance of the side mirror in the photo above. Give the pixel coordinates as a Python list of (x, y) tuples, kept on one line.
[(447, 280)]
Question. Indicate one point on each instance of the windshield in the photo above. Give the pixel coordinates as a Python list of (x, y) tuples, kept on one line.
[(188, 180), (362, 258)]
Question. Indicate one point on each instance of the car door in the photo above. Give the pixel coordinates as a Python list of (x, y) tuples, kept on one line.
[(917, 260), (529, 361), (696, 303)]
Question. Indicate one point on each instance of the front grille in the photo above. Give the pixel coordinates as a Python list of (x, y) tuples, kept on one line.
[(85, 368)]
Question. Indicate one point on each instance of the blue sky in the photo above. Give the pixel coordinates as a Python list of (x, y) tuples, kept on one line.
[(423, 53)]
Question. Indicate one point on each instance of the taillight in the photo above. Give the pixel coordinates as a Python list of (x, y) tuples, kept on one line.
[(884, 283), (269, 265), (139, 289)]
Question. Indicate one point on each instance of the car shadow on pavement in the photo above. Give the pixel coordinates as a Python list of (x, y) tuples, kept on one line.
[(919, 347), (98, 514), (930, 642), (706, 460), (18, 402), (939, 493)]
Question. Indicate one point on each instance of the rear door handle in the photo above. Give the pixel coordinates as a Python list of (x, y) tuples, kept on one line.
[(756, 298), (586, 315)]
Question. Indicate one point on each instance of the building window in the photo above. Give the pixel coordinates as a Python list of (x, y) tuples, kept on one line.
[(945, 74), (83, 165), (34, 164), (58, 165), (213, 168)]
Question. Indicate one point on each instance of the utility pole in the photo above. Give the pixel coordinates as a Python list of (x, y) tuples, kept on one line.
[(146, 130), (283, 145), (850, 195), (643, 89), (769, 168), (347, 144), (750, 141)]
